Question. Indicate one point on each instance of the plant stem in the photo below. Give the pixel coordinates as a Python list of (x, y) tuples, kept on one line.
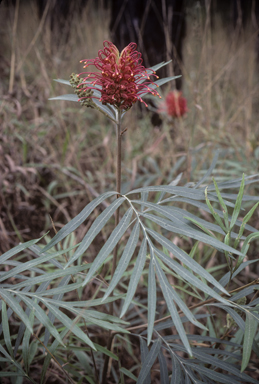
[(117, 217)]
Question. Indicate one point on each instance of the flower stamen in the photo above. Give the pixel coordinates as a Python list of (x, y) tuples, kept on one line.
[(123, 79)]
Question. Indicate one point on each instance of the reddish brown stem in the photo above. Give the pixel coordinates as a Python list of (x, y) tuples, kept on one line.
[(114, 261)]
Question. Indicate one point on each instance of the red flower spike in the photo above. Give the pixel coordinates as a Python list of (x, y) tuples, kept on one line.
[(121, 77), (175, 104)]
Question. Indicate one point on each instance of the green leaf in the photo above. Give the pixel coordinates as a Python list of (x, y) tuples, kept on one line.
[(209, 171), (214, 213), (136, 274), (12, 374), (204, 207), (68, 97), (250, 329), (149, 361), (158, 83), (144, 197), (105, 351), (26, 344), (83, 359), (167, 292), (238, 203), (235, 183), (143, 353), (189, 277), (66, 82), (164, 376), (33, 349), (124, 259), (47, 359), (181, 215), (218, 377), (12, 302), (223, 205), (185, 259), (95, 228), (230, 368), (22, 327), (28, 265), (158, 66), (176, 370), (151, 295), (189, 193), (6, 330), (245, 220), (17, 365), (245, 247), (78, 220), (41, 316), (5, 256), (105, 109), (187, 230), (37, 251), (52, 276), (128, 373), (199, 225), (110, 244), (63, 283), (180, 302), (69, 324), (173, 183), (248, 240)]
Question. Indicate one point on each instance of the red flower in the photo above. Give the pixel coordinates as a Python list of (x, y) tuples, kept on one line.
[(123, 80), (175, 104)]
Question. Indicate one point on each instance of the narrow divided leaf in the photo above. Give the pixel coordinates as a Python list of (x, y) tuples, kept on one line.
[(151, 295), (149, 361), (250, 329), (185, 259), (76, 221), (110, 244), (17, 365), (167, 292), (95, 228), (67, 97), (5, 256), (69, 324), (209, 171), (26, 344), (136, 274), (223, 205), (143, 353), (41, 316), (238, 203), (6, 330), (14, 304), (128, 373), (164, 376), (188, 276), (124, 259), (214, 213), (176, 370)]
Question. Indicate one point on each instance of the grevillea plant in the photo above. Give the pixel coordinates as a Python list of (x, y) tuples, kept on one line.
[(142, 252)]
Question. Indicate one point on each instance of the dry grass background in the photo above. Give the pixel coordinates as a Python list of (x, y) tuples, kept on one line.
[(57, 156)]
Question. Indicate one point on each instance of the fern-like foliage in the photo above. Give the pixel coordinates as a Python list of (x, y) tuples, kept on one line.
[(35, 290)]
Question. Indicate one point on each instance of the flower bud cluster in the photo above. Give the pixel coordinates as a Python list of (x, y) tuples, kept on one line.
[(85, 96)]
